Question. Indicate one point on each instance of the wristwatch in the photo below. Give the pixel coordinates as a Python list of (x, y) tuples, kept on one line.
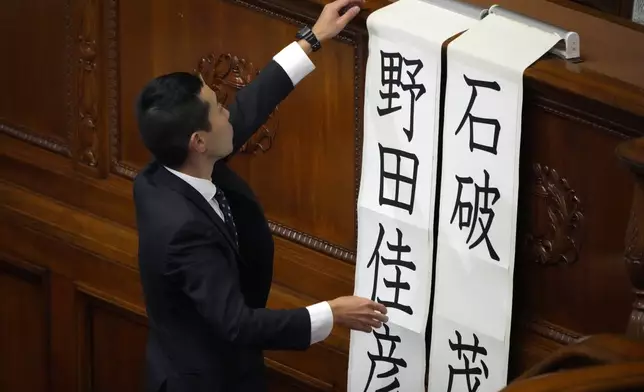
[(307, 34)]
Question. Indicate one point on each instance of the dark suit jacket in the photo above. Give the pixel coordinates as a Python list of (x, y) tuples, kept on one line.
[(205, 298)]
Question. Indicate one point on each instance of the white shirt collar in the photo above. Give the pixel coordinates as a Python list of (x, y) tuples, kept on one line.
[(203, 186)]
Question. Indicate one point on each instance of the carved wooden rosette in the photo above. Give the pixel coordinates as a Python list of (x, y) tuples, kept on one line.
[(632, 154), (558, 218), (226, 74)]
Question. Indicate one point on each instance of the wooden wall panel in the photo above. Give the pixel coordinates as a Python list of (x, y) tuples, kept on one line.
[(24, 327), (334, 278), (35, 102), (69, 148), (568, 201), (112, 337)]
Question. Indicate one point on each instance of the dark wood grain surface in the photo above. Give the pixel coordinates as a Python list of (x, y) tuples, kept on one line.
[(71, 311)]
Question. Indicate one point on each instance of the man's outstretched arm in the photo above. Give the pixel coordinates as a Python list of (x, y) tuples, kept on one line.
[(255, 102), (211, 282)]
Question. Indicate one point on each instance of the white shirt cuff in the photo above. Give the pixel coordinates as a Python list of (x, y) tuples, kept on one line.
[(321, 321), (295, 62)]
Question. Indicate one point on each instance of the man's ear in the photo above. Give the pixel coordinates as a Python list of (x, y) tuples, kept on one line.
[(197, 142)]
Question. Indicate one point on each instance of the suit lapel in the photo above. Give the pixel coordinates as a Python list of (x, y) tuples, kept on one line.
[(197, 199), (230, 183)]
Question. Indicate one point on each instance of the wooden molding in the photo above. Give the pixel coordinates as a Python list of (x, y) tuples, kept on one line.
[(551, 331), (30, 136)]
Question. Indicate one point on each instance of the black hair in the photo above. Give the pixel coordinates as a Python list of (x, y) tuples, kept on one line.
[(169, 110)]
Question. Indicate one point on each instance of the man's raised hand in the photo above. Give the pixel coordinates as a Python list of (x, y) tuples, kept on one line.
[(334, 17)]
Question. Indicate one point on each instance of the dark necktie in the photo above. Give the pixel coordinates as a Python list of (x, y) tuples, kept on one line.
[(228, 215)]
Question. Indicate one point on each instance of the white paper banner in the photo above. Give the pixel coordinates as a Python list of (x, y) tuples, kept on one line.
[(479, 193), (401, 104), (397, 189), (387, 360), (394, 268), (464, 360)]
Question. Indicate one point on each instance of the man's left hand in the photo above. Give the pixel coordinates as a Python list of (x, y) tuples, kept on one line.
[(332, 20)]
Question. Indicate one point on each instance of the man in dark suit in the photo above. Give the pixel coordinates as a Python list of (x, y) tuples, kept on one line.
[(205, 248)]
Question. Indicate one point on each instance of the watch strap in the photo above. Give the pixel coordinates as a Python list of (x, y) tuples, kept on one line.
[(307, 34)]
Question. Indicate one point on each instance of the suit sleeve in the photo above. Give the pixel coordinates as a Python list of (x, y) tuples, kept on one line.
[(211, 281), (255, 102)]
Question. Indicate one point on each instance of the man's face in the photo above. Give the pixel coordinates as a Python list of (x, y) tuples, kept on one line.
[(217, 143)]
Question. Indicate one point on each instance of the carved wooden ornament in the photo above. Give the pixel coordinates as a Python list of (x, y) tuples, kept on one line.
[(556, 239), (226, 74)]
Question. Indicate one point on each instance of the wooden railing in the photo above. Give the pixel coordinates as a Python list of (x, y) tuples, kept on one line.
[(599, 363)]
